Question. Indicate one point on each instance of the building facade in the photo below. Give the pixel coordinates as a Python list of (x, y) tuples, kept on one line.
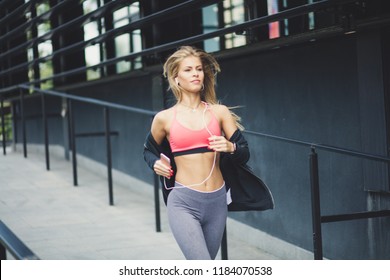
[(306, 71)]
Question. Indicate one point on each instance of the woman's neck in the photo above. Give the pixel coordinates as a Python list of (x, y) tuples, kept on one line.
[(193, 105)]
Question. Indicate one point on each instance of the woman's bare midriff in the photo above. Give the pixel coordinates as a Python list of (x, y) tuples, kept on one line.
[(193, 169)]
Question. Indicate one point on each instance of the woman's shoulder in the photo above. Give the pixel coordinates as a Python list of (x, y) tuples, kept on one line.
[(164, 114), (219, 109), (163, 117), (160, 124)]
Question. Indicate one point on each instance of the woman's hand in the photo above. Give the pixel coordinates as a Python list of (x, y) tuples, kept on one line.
[(221, 144), (163, 169)]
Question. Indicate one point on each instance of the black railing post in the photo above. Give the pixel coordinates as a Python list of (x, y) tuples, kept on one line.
[(72, 141), (23, 120), (3, 252), (157, 202), (45, 131), (106, 112), (3, 126), (315, 205), (14, 123), (224, 249)]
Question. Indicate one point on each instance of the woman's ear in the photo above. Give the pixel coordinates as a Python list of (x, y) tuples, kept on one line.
[(176, 81)]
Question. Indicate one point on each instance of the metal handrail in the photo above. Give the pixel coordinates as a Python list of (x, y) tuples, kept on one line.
[(317, 218), (323, 147), (10, 242), (153, 113), (107, 134), (90, 100)]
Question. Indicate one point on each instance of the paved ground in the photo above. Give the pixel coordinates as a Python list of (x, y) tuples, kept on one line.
[(58, 221)]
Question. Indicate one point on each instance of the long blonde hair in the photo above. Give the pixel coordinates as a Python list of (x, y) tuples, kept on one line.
[(210, 70)]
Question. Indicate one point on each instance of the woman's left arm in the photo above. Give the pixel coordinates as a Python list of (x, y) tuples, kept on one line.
[(228, 126), (233, 143)]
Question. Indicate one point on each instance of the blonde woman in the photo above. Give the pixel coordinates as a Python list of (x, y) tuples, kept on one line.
[(185, 147)]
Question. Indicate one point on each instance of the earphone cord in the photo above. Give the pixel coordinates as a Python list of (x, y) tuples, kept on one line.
[(212, 168)]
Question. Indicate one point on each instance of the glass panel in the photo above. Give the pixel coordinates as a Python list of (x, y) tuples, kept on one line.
[(91, 30), (89, 6), (42, 8), (46, 70), (121, 17), (92, 56), (45, 48), (234, 13), (311, 17), (137, 47), (122, 47), (130, 42), (210, 23), (274, 26)]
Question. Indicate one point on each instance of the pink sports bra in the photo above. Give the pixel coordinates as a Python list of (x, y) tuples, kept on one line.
[(184, 140)]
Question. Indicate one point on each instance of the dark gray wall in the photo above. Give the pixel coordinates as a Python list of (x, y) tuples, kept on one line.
[(127, 147), (34, 122), (310, 92)]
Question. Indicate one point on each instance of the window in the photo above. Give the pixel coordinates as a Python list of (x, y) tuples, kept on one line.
[(210, 23), (124, 44), (274, 26), (234, 13), (94, 54), (225, 14), (129, 42), (45, 68)]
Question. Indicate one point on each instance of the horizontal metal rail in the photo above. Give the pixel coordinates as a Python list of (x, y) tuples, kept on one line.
[(153, 113), (90, 100), (355, 216), (301, 10), (14, 15), (185, 7), (83, 20), (21, 29), (317, 217), (94, 134), (322, 147), (71, 121)]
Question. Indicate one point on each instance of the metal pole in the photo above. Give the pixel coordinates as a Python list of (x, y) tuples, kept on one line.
[(106, 112), (3, 252), (3, 126), (23, 123), (46, 131), (315, 205), (14, 122), (157, 202), (224, 250), (72, 142)]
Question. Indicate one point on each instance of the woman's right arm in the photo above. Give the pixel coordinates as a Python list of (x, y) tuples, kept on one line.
[(158, 132)]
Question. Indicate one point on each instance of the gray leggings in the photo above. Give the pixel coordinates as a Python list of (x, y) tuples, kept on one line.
[(197, 220)]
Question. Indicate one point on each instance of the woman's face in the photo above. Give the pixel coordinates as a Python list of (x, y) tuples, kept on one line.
[(190, 75)]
